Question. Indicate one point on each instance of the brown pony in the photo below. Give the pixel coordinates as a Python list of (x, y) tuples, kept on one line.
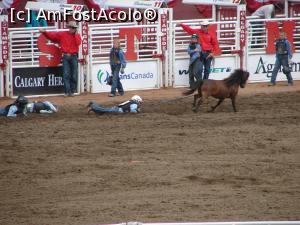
[(220, 89)]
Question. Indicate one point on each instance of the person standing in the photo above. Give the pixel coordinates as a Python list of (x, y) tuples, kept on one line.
[(195, 64), (283, 58), (208, 42), (117, 64), (69, 42)]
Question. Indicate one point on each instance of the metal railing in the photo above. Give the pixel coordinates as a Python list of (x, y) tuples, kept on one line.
[(257, 34), (101, 41), (23, 48), (226, 35)]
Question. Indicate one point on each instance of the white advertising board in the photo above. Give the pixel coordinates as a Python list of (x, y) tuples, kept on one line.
[(139, 4), (221, 69), (137, 76), (260, 68), (213, 2)]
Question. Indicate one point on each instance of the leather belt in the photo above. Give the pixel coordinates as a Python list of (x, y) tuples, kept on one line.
[(69, 54)]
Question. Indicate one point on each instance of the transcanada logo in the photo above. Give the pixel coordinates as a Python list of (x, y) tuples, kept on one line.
[(136, 76), (102, 76), (212, 70)]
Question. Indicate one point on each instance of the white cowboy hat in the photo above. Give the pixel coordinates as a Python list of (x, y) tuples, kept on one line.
[(72, 24), (204, 23)]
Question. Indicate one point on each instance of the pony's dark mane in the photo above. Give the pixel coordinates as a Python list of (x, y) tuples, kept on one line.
[(235, 78)]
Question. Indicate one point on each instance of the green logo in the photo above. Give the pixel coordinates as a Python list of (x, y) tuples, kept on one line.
[(101, 76)]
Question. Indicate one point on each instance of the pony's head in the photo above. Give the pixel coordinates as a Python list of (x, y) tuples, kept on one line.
[(244, 78), (238, 77)]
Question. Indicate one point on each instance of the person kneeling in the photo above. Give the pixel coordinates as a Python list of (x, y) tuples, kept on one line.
[(131, 106)]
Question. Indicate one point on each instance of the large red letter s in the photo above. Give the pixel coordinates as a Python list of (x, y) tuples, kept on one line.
[(130, 33), (49, 49)]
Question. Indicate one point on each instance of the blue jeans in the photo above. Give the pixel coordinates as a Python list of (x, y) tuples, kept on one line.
[(2, 112), (116, 83), (281, 60), (101, 109), (70, 73), (195, 72), (206, 64)]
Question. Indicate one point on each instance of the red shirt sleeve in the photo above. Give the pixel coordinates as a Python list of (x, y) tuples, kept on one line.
[(53, 36), (78, 39), (188, 29)]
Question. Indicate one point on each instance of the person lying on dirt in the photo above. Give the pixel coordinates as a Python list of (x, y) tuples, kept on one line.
[(131, 106), (17, 107), (41, 107)]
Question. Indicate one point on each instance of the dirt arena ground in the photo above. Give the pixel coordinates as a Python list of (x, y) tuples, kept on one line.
[(167, 164)]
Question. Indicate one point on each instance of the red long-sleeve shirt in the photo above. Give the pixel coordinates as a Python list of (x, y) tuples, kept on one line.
[(208, 42), (253, 5), (69, 43)]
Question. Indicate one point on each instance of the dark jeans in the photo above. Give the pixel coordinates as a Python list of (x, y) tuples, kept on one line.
[(206, 64), (3, 112), (281, 60), (70, 72), (116, 83), (101, 109), (195, 72)]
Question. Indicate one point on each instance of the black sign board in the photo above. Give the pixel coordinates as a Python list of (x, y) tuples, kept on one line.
[(37, 81)]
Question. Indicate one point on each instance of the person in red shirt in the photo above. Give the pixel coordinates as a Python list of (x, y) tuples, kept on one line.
[(209, 45), (69, 42)]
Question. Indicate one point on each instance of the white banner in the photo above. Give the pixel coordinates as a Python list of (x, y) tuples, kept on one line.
[(138, 75), (137, 4), (221, 69), (212, 2), (260, 68), (56, 6)]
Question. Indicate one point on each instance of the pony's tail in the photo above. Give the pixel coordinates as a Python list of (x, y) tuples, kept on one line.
[(193, 89)]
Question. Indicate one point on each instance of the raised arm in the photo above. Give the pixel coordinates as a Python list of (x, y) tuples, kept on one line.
[(188, 29), (53, 36)]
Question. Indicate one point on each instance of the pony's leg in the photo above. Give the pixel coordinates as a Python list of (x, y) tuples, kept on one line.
[(196, 96), (195, 109), (207, 104), (219, 102), (233, 103)]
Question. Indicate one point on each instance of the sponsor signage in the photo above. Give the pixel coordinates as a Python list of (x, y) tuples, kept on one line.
[(260, 68), (164, 30), (242, 27), (84, 36), (4, 38), (221, 69), (138, 75), (37, 81)]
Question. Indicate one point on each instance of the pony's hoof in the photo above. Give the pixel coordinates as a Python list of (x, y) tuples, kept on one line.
[(195, 109)]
